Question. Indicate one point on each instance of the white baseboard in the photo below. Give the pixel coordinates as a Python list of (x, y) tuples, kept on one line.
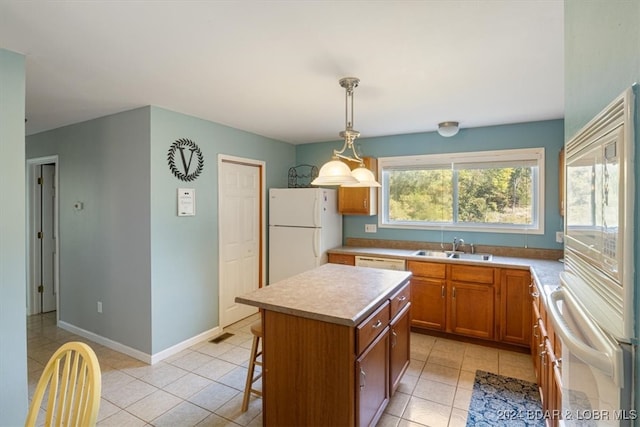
[(137, 354), (207, 335)]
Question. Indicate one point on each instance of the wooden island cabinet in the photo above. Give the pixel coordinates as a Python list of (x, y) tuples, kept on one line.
[(335, 344)]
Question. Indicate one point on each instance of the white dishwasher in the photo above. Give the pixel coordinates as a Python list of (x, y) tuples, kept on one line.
[(375, 262)]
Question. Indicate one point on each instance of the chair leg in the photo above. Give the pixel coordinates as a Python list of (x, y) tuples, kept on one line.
[(250, 379)]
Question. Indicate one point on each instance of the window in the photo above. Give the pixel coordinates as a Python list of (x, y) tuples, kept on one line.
[(497, 191)]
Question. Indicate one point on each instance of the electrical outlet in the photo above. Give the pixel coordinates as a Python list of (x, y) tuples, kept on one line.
[(99, 306), (370, 228), (559, 237)]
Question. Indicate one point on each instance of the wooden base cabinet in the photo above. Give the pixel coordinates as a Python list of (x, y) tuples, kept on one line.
[(372, 393), (472, 310), (477, 301), (342, 259), (428, 294), (399, 348), (515, 306), (546, 352), (318, 373)]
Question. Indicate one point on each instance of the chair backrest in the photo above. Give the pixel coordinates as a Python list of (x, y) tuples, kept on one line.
[(73, 380)]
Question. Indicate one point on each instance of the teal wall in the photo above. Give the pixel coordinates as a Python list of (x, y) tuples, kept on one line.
[(13, 334), (156, 273), (602, 59), (184, 250), (547, 134), (105, 247)]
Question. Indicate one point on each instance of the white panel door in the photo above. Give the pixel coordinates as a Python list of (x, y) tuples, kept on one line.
[(292, 250), (239, 238)]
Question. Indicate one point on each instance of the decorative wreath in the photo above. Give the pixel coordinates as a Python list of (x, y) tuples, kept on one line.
[(185, 176)]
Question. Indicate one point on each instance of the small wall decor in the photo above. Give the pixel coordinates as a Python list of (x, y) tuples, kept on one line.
[(301, 176), (186, 201), (183, 145)]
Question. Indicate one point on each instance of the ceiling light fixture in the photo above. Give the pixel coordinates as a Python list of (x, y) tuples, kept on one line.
[(337, 172), (448, 129)]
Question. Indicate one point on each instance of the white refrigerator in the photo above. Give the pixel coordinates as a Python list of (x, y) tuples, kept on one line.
[(303, 224)]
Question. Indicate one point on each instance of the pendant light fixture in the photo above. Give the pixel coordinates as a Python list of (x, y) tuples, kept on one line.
[(337, 172)]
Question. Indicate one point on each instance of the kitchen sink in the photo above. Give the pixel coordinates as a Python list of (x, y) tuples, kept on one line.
[(453, 255), (472, 257), (436, 254)]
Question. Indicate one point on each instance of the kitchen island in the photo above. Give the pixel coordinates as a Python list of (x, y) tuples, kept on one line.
[(335, 344)]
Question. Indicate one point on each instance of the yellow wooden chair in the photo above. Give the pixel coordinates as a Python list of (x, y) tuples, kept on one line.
[(73, 380)]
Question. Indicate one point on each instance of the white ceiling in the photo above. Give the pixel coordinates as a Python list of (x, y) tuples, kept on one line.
[(272, 67)]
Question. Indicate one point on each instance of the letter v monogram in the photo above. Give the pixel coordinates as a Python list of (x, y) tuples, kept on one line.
[(184, 162)]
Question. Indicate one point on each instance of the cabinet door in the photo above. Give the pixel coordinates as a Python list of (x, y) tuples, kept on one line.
[(535, 339), (342, 259), (359, 200), (542, 373), (372, 381), (472, 310), (428, 299), (400, 352), (515, 307)]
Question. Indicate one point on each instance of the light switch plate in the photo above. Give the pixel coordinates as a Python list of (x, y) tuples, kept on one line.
[(559, 237), (370, 228)]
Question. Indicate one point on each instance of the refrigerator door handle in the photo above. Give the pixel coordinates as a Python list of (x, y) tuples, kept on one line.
[(316, 212), (316, 242), (608, 360)]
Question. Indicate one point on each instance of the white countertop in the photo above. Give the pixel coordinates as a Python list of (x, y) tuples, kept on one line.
[(332, 292), (546, 272)]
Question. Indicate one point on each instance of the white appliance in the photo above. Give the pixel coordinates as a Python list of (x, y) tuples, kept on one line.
[(376, 262), (593, 309), (303, 224)]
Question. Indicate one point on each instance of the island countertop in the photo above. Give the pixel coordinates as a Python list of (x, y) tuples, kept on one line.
[(332, 293)]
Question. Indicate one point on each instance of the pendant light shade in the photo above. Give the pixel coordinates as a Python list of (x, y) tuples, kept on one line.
[(334, 172), (364, 178), (337, 172)]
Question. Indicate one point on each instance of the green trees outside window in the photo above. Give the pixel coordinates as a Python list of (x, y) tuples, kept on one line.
[(480, 190)]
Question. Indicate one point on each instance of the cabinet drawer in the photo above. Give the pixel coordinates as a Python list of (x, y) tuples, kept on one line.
[(400, 299), (342, 259), (428, 269), (473, 274), (369, 329)]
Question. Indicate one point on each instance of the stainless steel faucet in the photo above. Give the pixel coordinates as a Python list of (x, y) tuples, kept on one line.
[(457, 243)]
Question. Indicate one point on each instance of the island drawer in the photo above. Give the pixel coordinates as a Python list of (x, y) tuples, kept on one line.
[(400, 299), (369, 329)]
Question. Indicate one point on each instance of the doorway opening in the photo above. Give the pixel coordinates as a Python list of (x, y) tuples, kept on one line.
[(241, 230), (42, 239)]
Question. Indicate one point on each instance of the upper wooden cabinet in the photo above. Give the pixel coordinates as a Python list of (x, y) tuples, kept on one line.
[(359, 200)]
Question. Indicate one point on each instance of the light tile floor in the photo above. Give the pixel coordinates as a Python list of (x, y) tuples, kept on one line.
[(203, 385)]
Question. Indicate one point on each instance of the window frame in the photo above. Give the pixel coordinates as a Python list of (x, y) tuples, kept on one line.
[(535, 155)]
